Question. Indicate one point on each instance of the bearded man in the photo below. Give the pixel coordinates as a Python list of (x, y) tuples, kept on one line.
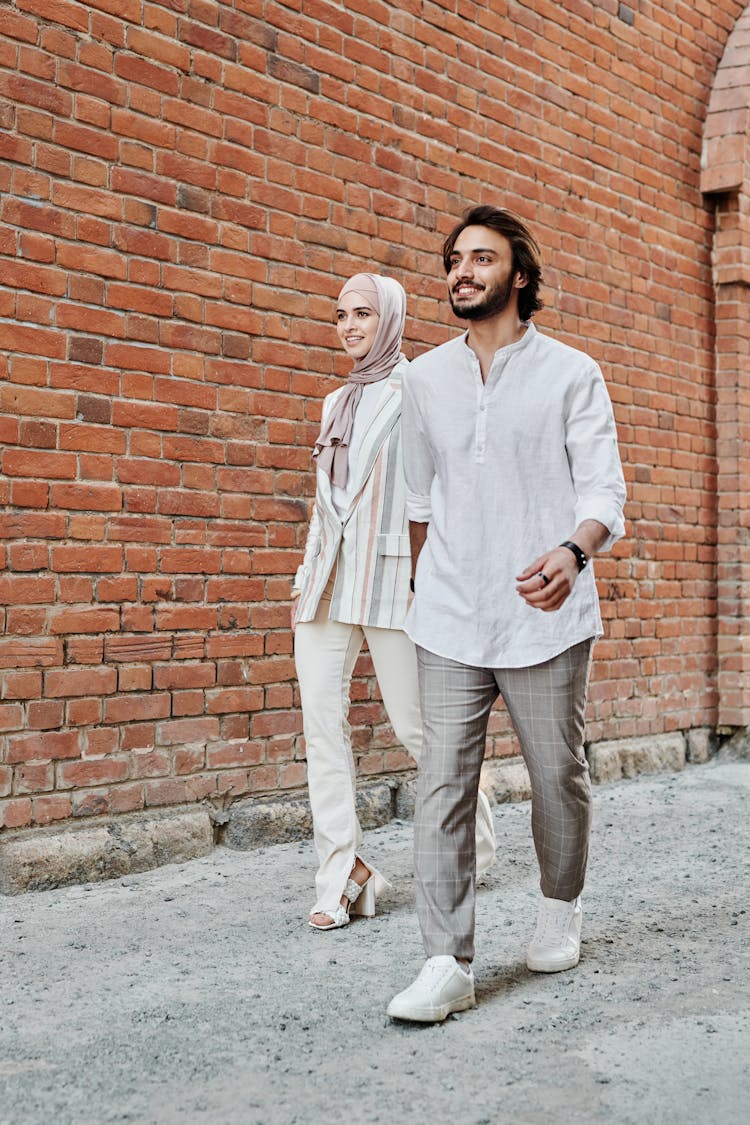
[(513, 483)]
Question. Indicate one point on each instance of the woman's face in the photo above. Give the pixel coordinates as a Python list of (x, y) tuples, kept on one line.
[(356, 325)]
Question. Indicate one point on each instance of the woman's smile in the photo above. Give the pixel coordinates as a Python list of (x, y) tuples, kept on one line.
[(356, 325)]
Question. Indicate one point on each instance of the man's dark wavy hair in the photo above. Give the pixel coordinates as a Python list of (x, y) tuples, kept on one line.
[(526, 253)]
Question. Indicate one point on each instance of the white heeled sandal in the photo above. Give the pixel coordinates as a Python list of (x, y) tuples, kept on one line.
[(361, 898), (339, 917), (363, 903)]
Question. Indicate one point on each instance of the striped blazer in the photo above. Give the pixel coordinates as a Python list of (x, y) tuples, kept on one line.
[(369, 546)]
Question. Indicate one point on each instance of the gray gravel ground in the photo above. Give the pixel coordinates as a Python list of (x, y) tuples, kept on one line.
[(197, 993)]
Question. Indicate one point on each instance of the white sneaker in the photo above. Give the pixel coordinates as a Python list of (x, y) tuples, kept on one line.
[(556, 944), (443, 986)]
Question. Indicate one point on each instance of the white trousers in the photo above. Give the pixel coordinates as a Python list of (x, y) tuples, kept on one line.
[(326, 652)]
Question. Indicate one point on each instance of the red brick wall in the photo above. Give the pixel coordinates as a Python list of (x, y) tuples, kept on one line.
[(725, 175), (184, 186)]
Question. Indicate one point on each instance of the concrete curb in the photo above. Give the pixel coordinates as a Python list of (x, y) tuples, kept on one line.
[(257, 822), (627, 757), (260, 821), (736, 748), (42, 858), (39, 859)]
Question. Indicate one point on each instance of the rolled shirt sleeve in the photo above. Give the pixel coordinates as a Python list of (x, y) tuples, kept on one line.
[(419, 468), (591, 446)]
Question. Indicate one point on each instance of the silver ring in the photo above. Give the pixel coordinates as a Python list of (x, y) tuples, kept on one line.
[(544, 578)]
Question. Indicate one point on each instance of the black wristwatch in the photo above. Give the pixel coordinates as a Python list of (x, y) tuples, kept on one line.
[(411, 585), (581, 558)]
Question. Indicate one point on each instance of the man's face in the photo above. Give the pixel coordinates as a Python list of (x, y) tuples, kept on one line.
[(481, 281)]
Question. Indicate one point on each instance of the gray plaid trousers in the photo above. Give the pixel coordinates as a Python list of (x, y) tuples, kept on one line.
[(546, 704)]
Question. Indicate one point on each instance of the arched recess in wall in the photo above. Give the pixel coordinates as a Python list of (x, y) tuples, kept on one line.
[(725, 178)]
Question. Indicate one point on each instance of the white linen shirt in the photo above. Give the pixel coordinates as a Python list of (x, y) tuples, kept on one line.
[(503, 471)]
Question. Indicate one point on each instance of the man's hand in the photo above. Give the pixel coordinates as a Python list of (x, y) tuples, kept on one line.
[(547, 583)]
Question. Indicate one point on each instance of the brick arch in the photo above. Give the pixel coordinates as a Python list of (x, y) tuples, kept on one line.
[(725, 178)]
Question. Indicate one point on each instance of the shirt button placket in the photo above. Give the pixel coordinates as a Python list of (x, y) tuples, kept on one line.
[(481, 429)]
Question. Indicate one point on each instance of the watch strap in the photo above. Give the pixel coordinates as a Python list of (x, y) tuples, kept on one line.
[(581, 557)]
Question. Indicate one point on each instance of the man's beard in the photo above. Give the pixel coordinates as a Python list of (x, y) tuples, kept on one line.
[(495, 301)]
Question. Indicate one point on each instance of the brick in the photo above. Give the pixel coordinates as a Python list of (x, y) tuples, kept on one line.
[(25, 590), (185, 676), (234, 699), (187, 617), (25, 621), (151, 417), (89, 619), (85, 803), (189, 561), (46, 810), (126, 798), (187, 730), (35, 777), (21, 685), (30, 463), (15, 813), (106, 771), (87, 497), (187, 703), (235, 728), (38, 434), (166, 792), (42, 95), (75, 588), (135, 678), (131, 68), (16, 26), (149, 763), (43, 746), (189, 760), (136, 708), (234, 753), (28, 400), (79, 681), (45, 715), (18, 652), (274, 723), (11, 716), (99, 559)]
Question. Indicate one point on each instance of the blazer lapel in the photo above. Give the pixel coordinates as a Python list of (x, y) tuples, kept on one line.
[(323, 485), (385, 418), (323, 490)]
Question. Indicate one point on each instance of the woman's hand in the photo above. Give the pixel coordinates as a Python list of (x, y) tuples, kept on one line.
[(293, 614)]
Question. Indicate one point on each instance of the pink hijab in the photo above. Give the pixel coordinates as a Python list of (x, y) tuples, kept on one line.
[(388, 299)]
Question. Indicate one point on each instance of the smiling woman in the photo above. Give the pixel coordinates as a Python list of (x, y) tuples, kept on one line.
[(356, 325), (352, 586)]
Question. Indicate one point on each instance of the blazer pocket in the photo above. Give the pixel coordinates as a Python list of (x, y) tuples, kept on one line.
[(392, 544)]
